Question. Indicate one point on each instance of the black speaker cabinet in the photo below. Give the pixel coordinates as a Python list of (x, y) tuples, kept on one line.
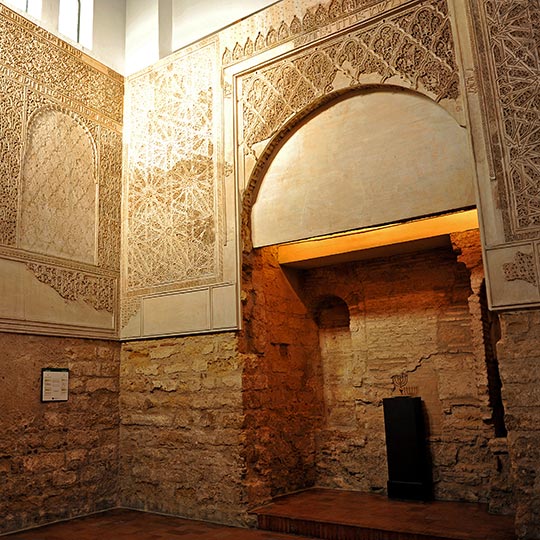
[(409, 466)]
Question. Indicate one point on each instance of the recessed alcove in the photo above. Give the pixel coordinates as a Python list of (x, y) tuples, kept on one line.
[(361, 271), (327, 342)]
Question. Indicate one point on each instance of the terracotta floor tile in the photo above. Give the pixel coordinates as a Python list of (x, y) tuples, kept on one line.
[(123, 524), (359, 515), (463, 521)]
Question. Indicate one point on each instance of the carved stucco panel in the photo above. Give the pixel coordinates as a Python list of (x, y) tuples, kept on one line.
[(60, 180), (110, 194), (11, 120), (172, 227), (509, 37), (521, 268), (415, 46), (28, 49), (59, 185), (514, 276), (277, 26), (97, 291)]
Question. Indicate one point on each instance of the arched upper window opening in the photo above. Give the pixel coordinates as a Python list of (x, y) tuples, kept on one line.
[(76, 20), (32, 7)]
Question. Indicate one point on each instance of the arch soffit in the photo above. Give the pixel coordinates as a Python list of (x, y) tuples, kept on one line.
[(295, 123)]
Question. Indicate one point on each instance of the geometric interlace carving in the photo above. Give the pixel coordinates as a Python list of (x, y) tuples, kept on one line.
[(60, 145), (58, 215), (97, 291), (521, 268), (417, 46), (172, 189), (11, 120), (514, 32), (26, 48)]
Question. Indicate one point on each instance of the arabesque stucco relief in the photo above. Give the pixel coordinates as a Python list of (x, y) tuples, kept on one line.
[(415, 45), (507, 41), (174, 173), (60, 158), (223, 101)]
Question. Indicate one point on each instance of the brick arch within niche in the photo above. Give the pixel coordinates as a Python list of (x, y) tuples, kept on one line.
[(378, 148), (333, 319)]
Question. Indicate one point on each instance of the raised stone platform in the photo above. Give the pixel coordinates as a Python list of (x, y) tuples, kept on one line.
[(350, 515)]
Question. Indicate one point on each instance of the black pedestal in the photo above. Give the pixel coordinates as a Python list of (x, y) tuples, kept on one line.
[(409, 466)]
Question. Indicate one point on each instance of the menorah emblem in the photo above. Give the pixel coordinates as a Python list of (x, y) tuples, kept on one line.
[(400, 381)]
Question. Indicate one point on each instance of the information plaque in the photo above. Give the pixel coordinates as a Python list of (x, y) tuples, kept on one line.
[(54, 384)]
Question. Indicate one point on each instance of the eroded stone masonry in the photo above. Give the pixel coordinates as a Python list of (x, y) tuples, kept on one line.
[(181, 427), (222, 424), (57, 460)]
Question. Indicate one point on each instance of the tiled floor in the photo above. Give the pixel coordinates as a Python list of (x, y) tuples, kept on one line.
[(316, 512), (130, 525), (349, 514)]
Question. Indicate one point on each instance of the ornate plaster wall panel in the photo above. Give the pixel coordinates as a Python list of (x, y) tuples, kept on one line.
[(514, 275), (11, 121), (507, 36), (60, 159), (298, 21), (416, 46), (33, 53), (511, 30), (411, 47), (174, 231), (58, 215)]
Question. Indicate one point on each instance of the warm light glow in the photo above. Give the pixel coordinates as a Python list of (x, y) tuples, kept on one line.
[(301, 253)]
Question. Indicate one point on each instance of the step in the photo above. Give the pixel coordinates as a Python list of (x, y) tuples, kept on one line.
[(350, 515)]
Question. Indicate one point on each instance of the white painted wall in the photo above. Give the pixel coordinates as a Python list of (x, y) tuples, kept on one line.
[(155, 28), (142, 34), (109, 33), (130, 35), (194, 19)]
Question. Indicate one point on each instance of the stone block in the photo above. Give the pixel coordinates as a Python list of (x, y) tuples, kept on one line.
[(45, 461), (108, 384), (64, 479)]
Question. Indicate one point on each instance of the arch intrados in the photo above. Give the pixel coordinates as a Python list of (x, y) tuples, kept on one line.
[(295, 123)]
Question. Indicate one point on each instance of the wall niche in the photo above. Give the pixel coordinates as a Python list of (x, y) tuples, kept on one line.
[(324, 344)]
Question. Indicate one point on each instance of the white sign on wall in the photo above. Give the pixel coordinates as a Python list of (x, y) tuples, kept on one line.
[(54, 384)]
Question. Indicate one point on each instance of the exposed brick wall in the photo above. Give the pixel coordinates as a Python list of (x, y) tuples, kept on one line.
[(282, 390), (519, 360), (407, 314), (181, 427), (485, 333), (57, 460), (313, 396)]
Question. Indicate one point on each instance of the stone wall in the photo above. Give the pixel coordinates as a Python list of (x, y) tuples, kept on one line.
[(282, 391), (408, 314), (519, 355), (320, 349), (181, 427), (57, 460)]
